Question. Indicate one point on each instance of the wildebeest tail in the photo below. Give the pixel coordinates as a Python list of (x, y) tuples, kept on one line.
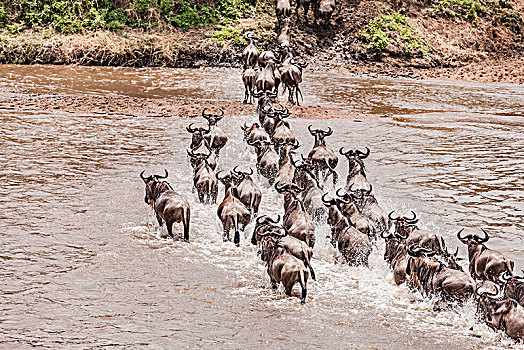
[(236, 239)]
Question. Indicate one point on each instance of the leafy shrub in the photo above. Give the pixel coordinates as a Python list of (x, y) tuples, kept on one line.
[(4, 17), (467, 9), (393, 30), (232, 35), (142, 5)]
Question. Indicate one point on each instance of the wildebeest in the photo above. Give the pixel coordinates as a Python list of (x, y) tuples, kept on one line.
[(248, 191), (283, 11), (356, 174), (354, 245), (284, 38), (369, 207), (248, 78), (349, 209), (232, 212), (501, 313), (216, 137), (266, 80), (254, 133), (284, 267), (268, 226), (485, 263), (200, 145), (304, 4), (296, 220), (265, 57), (396, 256), (514, 288), (286, 170), (407, 228), (322, 158), (282, 132), (323, 10), (433, 278), (291, 76), (168, 205), (265, 100), (267, 160), (312, 193), (204, 178), (251, 53)]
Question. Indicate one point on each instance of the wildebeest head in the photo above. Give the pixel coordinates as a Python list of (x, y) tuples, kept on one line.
[(237, 176), (451, 259), (198, 159), (264, 226), (212, 119), (197, 135), (473, 239), (303, 173), (153, 186), (355, 158), (320, 135), (226, 179), (403, 224)]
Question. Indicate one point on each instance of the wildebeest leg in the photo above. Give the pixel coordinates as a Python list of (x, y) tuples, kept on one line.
[(288, 288), (246, 96), (185, 220), (226, 235), (159, 219), (169, 225)]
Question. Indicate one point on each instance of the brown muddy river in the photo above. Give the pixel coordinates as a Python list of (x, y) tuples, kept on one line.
[(83, 264)]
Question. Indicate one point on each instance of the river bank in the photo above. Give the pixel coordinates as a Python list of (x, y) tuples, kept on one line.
[(135, 48)]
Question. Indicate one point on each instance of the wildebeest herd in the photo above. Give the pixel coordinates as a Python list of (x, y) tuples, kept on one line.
[(416, 256)]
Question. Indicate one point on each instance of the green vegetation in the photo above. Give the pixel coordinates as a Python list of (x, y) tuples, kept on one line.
[(74, 16), (388, 32), (500, 11), (467, 9)]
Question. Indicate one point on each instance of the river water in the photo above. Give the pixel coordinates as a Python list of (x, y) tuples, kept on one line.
[(84, 264)]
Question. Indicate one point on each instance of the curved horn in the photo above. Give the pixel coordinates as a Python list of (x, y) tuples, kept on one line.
[(250, 171), (491, 295), (343, 195), (311, 131), (235, 171), (204, 114), (244, 127), (351, 189), (483, 239), (162, 177), (461, 238), (262, 220), (191, 129), (362, 155), (368, 192), (341, 151), (221, 114), (329, 132), (414, 220), (280, 187), (391, 217), (142, 176), (382, 234), (206, 131)]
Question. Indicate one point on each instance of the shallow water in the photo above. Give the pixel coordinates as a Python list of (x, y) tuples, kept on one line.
[(84, 264)]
